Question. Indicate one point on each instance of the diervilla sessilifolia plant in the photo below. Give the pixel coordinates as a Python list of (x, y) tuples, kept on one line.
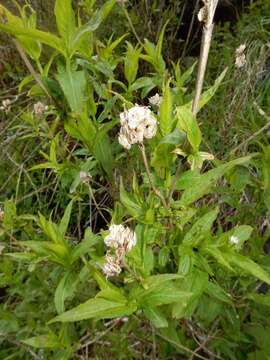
[(164, 248)]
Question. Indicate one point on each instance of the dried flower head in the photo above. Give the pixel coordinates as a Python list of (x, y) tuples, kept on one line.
[(137, 123), (112, 266), (240, 57), (40, 108), (6, 105), (207, 12), (155, 100), (120, 237), (84, 177)]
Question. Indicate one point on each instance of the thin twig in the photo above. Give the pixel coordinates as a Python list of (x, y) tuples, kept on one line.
[(260, 131), (156, 191), (30, 67), (190, 28), (180, 346), (131, 25)]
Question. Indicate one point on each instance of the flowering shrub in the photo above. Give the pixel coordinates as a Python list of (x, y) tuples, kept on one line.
[(161, 252)]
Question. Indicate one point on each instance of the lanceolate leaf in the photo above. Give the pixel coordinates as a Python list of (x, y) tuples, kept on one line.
[(43, 341), (188, 123), (166, 120), (65, 20), (93, 23), (156, 317), (65, 219), (132, 207), (200, 228), (247, 265), (95, 308), (200, 185), (166, 293), (64, 289), (34, 34), (73, 85)]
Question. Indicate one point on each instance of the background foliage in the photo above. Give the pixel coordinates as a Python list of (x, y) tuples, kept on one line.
[(186, 290)]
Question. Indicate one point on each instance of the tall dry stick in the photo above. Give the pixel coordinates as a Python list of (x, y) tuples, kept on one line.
[(206, 15)]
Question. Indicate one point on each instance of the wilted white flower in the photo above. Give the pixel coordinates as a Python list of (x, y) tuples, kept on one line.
[(121, 238), (6, 105), (39, 108), (207, 12), (240, 57), (155, 100), (137, 123), (112, 266), (202, 14), (84, 176), (234, 240)]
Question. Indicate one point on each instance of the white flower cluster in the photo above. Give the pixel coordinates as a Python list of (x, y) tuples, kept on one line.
[(40, 108), (120, 240), (6, 106), (155, 100), (137, 123), (240, 57)]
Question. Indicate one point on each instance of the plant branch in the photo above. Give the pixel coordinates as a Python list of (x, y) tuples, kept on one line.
[(156, 191), (209, 12)]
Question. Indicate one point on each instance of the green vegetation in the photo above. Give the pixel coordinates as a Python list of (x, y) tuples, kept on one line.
[(131, 225)]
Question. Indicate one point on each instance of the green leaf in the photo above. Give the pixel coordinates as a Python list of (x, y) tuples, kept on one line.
[(95, 308), (43, 341), (89, 240), (188, 123), (200, 185), (103, 152), (156, 317), (143, 82), (51, 230), (42, 36), (73, 84), (64, 290), (132, 207), (176, 137), (218, 255), (247, 265), (131, 62), (151, 282), (112, 295), (166, 119), (216, 291), (262, 299), (65, 20), (209, 93), (200, 228), (93, 24), (195, 283), (65, 219), (166, 293)]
